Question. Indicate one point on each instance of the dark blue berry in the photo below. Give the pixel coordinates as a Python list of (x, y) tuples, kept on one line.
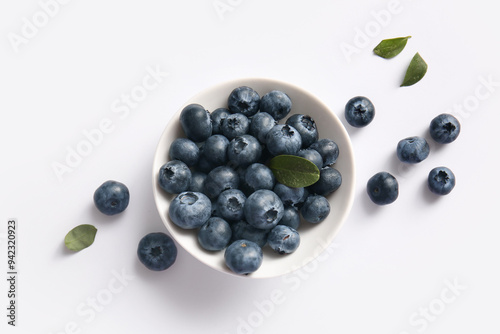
[(277, 104), (283, 139), (359, 111), (196, 122), (244, 100), (190, 210), (157, 251), (185, 150), (441, 180), (412, 150), (111, 197), (306, 126), (328, 150), (315, 209), (174, 177), (283, 239), (215, 234), (444, 128), (382, 188), (243, 257)]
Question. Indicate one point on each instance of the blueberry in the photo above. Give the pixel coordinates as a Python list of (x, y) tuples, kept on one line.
[(283, 239), (444, 128), (244, 100), (283, 139), (196, 122), (412, 150), (244, 150), (302, 200), (219, 179), (263, 209), (243, 230), (328, 150), (215, 234), (230, 204), (185, 150), (243, 257), (258, 176), (311, 155), (276, 103), (291, 217), (111, 197), (382, 188), (235, 125), (197, 181), (203, 165), (329, 181), (315, 209), (261, 124), (306, 126), (288, 195), (218, 116), (190, 210), (157, 251), (215, 150), (359, 111), (174, 177), (441, 180)]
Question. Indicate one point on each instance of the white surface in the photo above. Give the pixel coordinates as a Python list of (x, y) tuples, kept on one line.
[(389, 268)]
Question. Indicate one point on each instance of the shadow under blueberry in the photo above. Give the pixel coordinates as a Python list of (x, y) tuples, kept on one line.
[(99, 217), (428, 196)]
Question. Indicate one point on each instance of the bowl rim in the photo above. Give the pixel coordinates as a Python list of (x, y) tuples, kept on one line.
[(247, 81)]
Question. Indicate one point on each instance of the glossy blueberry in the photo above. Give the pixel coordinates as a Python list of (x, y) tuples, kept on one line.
[(306, 126), (291, 217), (215, 234), (244, 100), (215, 150), (441, 180), (230, 204), (330, 180), (412, 150), (311, 155), (258, 176), (174, 177), (444, 128), (190, 210), (219, 179), (185, 150), (235, 125), (243, 257), (261, 124), (328, 149), (263, 209), (218, 116), (315, 209), (288, 195), (283, 139), (276, 103), (244, 150), (111, 197), (382, 188), (243, 230), (283, 239), (359, 111), (197, 181), (157, 251), (196, 122)]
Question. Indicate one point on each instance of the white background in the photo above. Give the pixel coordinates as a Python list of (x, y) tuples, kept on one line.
[(390, 268)]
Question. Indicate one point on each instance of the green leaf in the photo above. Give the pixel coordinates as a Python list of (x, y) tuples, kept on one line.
[(416, 71), (80, 237), (390, 48), (294, 171)]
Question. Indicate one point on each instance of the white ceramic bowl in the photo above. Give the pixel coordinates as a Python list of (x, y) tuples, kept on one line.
[(314, 237)]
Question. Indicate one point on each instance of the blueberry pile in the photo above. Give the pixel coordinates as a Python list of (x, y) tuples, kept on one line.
[(224, 189), (383, 187)]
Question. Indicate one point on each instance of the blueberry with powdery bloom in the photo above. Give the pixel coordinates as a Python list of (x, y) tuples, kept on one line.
[(263, 209), (215, 234), (157, 251), (196, 122), (112, 197), (359, 111), (219, 179), (235, 125), (215, 150), (218, 116), (174, 177), (277, 104), (190, 210), (444, 128), (185, 150), (261, 124), (244, 100), (412, 150), (306, 126), (244, 150), (328, 149), (441, 180), (283, 139), (243, 257)]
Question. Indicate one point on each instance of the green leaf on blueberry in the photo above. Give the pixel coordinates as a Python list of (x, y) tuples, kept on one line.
[(80, 237), (416, 71), (390, 48), (294, 171)]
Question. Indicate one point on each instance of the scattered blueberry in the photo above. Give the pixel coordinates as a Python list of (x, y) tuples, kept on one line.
[(196, 122), (218, 116), (444, 128), (219, 179), (315, 209), (359, 111), (283, 139), (190, 210), (244, 100), (261, 124), (263, 209), (185, 150), (306, 127), (230, 204), (412, 150), (235, 125), (329, 181), (382, 188), (111, 197), (243, 257), (244, 150), (441, 180), (291, 217), (283, 239), (328, 149), (215, 234), (174, 177), (277, 104), (157, 251), (215, 150)]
